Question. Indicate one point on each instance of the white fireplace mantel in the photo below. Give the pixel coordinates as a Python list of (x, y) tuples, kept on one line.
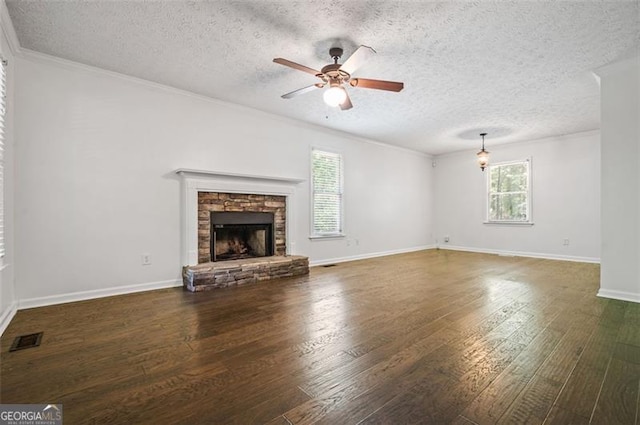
[(194, 181)]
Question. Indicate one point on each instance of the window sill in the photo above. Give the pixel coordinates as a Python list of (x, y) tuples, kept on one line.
[(334, 236), (509, 223)]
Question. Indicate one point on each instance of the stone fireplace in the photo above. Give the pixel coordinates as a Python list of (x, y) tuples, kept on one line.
[(229, 222), (236, 228)]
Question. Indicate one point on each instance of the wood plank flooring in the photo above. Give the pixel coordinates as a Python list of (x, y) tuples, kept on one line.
[(431, 337)]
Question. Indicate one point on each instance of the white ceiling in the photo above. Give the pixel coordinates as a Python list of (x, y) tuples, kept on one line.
[(519, 70)]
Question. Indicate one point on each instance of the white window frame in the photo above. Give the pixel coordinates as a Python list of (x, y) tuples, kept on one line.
[(312, 233), (3, 129), (529, 220)]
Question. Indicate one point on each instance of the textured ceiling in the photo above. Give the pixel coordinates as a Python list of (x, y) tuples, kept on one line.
[(517, 70)]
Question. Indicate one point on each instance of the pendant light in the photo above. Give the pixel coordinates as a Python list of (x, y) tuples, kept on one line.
[(483, 156)]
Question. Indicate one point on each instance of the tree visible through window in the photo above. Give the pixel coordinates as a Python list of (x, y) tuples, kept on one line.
[(326, 169), (509, 192)]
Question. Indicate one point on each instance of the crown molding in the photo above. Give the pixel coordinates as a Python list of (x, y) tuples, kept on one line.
[(618, 66), (68, 64)]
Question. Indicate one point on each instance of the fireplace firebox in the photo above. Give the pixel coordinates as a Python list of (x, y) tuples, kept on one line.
[(239, 235)]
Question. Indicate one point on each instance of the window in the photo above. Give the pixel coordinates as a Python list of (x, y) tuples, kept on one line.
[(326, 169), (3, 112), (509, 192)]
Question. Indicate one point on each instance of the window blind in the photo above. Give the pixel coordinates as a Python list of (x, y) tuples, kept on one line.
[(3, 113), (327, 193)]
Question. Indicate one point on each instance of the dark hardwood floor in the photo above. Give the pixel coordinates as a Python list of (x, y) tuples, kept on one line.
[(431, 337)]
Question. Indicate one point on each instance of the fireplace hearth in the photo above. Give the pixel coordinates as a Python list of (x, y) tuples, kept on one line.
[(241, 239)]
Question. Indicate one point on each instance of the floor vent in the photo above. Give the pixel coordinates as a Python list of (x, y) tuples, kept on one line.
[(329, 265), (26, 341)]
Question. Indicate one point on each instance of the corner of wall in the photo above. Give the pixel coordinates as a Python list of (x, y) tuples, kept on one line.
[(619, 295), (8, 30), (7, 316), (9, 47)]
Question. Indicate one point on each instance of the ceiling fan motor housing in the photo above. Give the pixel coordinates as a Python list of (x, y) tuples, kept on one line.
[(335, 53), (333, 72)]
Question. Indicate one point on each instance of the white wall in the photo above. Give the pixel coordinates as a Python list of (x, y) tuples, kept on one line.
[(95, 186), (620, 117), (8, 304), (566, 200)]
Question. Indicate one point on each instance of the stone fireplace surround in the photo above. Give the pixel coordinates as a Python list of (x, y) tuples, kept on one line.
[(209, 202), (267, 193)]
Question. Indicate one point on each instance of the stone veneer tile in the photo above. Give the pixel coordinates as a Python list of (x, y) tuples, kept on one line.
[(222, 274), (236, 202)]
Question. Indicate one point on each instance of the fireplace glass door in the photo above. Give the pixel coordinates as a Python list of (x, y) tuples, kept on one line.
[(239, 235)]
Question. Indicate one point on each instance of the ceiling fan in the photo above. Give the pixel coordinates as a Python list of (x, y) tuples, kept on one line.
[(335, 75)]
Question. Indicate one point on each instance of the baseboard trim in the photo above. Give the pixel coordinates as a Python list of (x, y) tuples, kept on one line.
[(619, 295), (523, 254), (7, 316), (122, 290), (369, 255), (97, 293)]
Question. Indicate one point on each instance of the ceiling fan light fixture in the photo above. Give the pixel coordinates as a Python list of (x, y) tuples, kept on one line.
[(337, 75), (334, 96)]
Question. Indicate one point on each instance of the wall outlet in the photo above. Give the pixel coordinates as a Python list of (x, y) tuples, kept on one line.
[(348, 242), (565, 241), (146, 259), (446, 239), (357, 242)]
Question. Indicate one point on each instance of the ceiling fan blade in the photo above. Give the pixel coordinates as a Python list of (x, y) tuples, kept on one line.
[(377, 84), (347, 103), (302, 91), (297, 66), (356, 60)]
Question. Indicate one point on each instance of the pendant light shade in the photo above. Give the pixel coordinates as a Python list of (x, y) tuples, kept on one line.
[(483, 155), (334, 96)]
